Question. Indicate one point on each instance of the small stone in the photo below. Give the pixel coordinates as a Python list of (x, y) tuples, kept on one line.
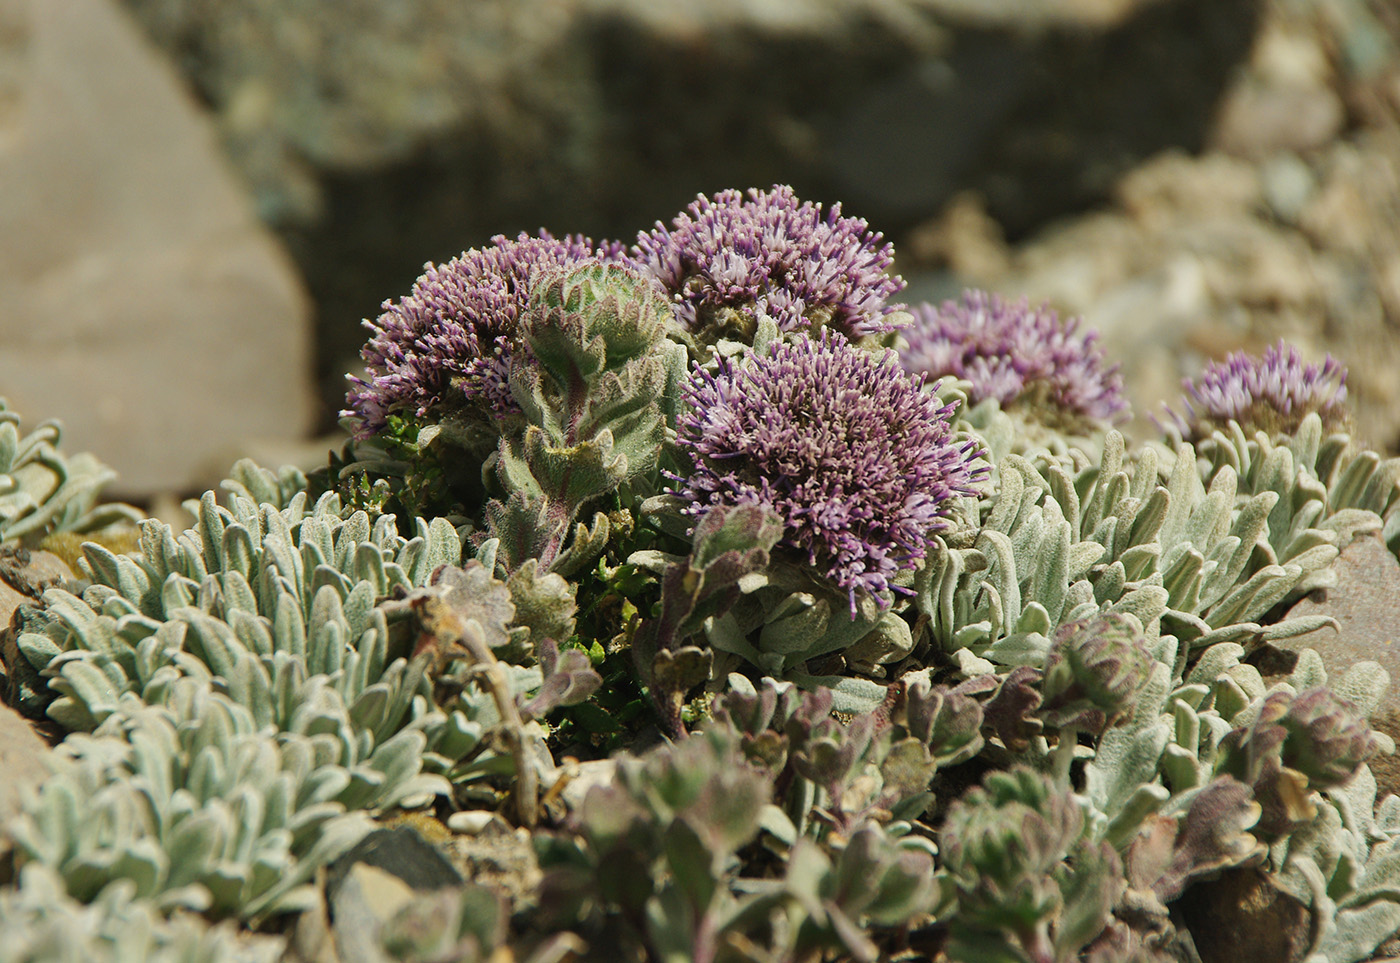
[(1256, 122), (584, 776), (1289, 185), (379, 876), (473, 822), (1285, 100), (311, 939), (1243, 918), (403, 852), (1175, 187), (22, 760), (364, 901), (383, 890), (1339, 213)]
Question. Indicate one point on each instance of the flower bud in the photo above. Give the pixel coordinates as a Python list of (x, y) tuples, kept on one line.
[(1328, 738), (1094, 671), (1002, 841)]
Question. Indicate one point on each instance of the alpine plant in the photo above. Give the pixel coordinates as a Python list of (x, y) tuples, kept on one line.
[(657, 538), (1273, 393), (447, 346), (855, 457), (1022, 356), (731, 258)]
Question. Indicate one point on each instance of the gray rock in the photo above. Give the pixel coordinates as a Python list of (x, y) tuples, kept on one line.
[(1257, 122), (1243, 918), (1289, 184), (1193, 262), (369, 885), (366, 899), (312, 88), (403, 853), (586, 775), (1287, 98), (311, 939), (1283, 223), (145, 306)]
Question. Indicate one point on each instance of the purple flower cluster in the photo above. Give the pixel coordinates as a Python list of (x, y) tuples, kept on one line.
[(732, 257), (449, 341), (1272, 393), (857, 460), (1017, 354)]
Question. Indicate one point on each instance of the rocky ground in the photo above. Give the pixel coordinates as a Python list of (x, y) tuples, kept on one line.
[(394, 135)]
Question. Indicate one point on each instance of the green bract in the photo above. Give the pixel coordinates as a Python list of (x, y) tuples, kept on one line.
[(1028, 881), (597, 388)]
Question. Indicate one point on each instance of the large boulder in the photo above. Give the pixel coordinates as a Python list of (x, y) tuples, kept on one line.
[(143, 303)]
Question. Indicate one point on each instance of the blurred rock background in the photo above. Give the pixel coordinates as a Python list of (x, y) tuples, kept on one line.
[(1192, 176), (142, 301)]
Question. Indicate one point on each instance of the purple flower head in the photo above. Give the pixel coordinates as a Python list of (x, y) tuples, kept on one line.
[(448, 343), (1018, 355), (1273, 393), (856, 459), (729, 258)]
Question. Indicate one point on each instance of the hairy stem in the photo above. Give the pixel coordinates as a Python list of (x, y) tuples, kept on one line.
[(454, 637)]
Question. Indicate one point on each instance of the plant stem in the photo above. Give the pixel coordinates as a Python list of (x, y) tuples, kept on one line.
[(456, 637), (1064, 756)]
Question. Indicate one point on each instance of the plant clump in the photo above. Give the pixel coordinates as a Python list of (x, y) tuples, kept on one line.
[(1272, 392), (855, 459), (730, 259), (446, 347), (44, 492), (1024, 357), (685, 623)]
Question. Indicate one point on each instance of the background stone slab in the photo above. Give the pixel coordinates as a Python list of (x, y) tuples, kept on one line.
[(141, 301)]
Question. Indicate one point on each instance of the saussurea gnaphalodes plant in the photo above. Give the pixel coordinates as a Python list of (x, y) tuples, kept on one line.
[(782, 622)]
